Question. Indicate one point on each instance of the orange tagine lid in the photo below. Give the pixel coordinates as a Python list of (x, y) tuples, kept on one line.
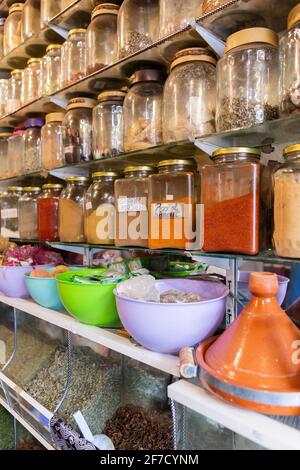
[(255, 363)]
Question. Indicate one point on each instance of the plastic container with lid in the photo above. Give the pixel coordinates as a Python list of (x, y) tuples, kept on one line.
[(33, 157), (230, 194), (9, 212), (14, 101), (52, 141), (131, 195), (51, 69), (2, 24), (12, 28), (74, 66), (71, 210), (143, 110), (177, 14), (16, 149), (47, 208), (31, 83), (138, 25), (99, 217), (172, 205), (4, 87), (102, 38), (78, 124), (27, 212), (31, 19), (250, 66), (189, 104), (108, 124), (5, 157), (49, 9)]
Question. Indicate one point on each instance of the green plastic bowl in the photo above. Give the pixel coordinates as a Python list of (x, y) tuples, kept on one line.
[(90, 304)]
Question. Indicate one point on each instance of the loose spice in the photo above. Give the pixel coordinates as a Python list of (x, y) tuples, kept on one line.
[(71, 221)]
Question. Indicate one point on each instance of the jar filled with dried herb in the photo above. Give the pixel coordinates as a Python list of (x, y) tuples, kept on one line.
[(12, 28), (9, 212), (33, 151), (74, 66), (27, 211), (51, 69), (47, 204), (16, 150)]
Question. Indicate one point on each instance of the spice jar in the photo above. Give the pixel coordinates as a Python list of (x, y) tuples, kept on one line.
[(2, 23), (172, 204), (177, 14), (102, 39), (138, 25), (132, 206), (287, 204), (31, 19), (9, 212), (71, 210), (78, 123), (143, 110), (250, 66), (49, 9), (47, 207), (32, 157), (5, 156), (27, 212), (4, 86), (52, 141), (12, 28), (74, 66), (51, 69), (14, 101), (108, 124), (230, 194), (31, 83), (190, 96), (99, 218), (16, 152)]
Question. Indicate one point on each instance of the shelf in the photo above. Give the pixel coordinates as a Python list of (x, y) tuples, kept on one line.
[(36, 108)]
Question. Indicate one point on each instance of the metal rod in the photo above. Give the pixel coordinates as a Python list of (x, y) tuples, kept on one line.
[(69, 372)]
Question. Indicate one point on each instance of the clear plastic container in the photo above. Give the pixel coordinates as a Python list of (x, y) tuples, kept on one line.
[(102, 38), (49, 9), (177, 14), (172, 205), (48, 204), (250, 66), (16, 150), (4, 87), (138, 25), (143, 110), (99, 217), (74, 68), (51, 70), (31, 82), (52, 142), (190, 96), (230, 194), (71, 210), (78, 124), (5, 157), (31, 19), (27, 211), (33, 154), (9, 212), (14, 101), (108, 124), (2, 23), (12, 28), (132, 206)]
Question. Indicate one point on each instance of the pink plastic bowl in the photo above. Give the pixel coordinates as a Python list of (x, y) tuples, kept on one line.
[(12, 280)]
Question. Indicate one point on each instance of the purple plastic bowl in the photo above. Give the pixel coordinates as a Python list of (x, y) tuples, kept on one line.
[(12, 280), (244, 277), (166, 328)]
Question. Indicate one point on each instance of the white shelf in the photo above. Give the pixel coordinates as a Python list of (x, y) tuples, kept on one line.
[(258, 428)]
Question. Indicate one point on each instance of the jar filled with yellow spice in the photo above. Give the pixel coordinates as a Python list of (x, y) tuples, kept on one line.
[(71, 210)]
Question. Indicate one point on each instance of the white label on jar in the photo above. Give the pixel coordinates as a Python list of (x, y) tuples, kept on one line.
[(88, 206), (69, 149), (132, 204), (9, 213), (168, 211)]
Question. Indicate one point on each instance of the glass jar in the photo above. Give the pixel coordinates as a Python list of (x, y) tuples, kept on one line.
[(189, 104), (108, 124), (5, 156), (9, 212), (14, 101), (49, 9), (74, 68), (31, 19), (78, 123), (230, 194), (33, 157), (71, 210), (131, 195), (102, 38), (99, 217), (211, 5), (31, 83), (4, 86), (16, 151), (65, 4), (12, 28), (143, 110), (250, 66), (2, 23), (47, 209), (27, 211), (177, 14), (52, 142), (287, 204), (138, 25), (51, 70), (172, 205)]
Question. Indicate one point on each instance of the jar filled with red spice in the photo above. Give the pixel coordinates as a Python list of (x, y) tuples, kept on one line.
[(230, 194), (47, 204)]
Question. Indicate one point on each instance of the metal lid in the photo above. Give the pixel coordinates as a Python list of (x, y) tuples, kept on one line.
[(16, 71), (16, 7), (34, 122), (15, 188), (291, 149), (81, 103), (34, 60), (147, 75), (252, 36), (236, 150), (133, 169), (52, 186), (75, 31), (53, 46), (105, 9), (78, 179), (200, 54), (55, 117), (99, 174), (111, 95), (294, 16), (165, 163), (32, 189)]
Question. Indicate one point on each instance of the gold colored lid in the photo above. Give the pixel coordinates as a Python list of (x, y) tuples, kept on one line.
[(294, 16), (107, 95), (16, 7), (81, 103), (76, 30), (55, 117), (6, 134), (15, 188), (16, 71), (53, 46), (52, 186), (32, 189), (236, 150), (176, 162), (34, 60), (74, 179), (291, 149), (105, 9), (193, 54), (132, 169), (251, 36), (98, 174)]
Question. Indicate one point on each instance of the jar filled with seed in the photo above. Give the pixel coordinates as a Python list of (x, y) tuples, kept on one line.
[(75, 57), (16, 149), (31, 83), (51, 69), (32, 138), (27, 212), (247, 80)]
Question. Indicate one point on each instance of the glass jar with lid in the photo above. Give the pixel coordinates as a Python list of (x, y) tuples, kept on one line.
[(9, 212), (52, 141), (78, 124), (143, 110), (33, 157), (177, 14), (99, 218), (2, 23), (189, 104), (71, 210), (138, 25), (172, 205), (31, 19), (4, 86), (51, 69), (49, 9), (16, 151), (47, 210), (250, 66), (102, 38), (108, 124), (5, 156), (12, 28), (31, 83), (74, 67), (27, 212), (132, 194), (230, 195), (14, 101)]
